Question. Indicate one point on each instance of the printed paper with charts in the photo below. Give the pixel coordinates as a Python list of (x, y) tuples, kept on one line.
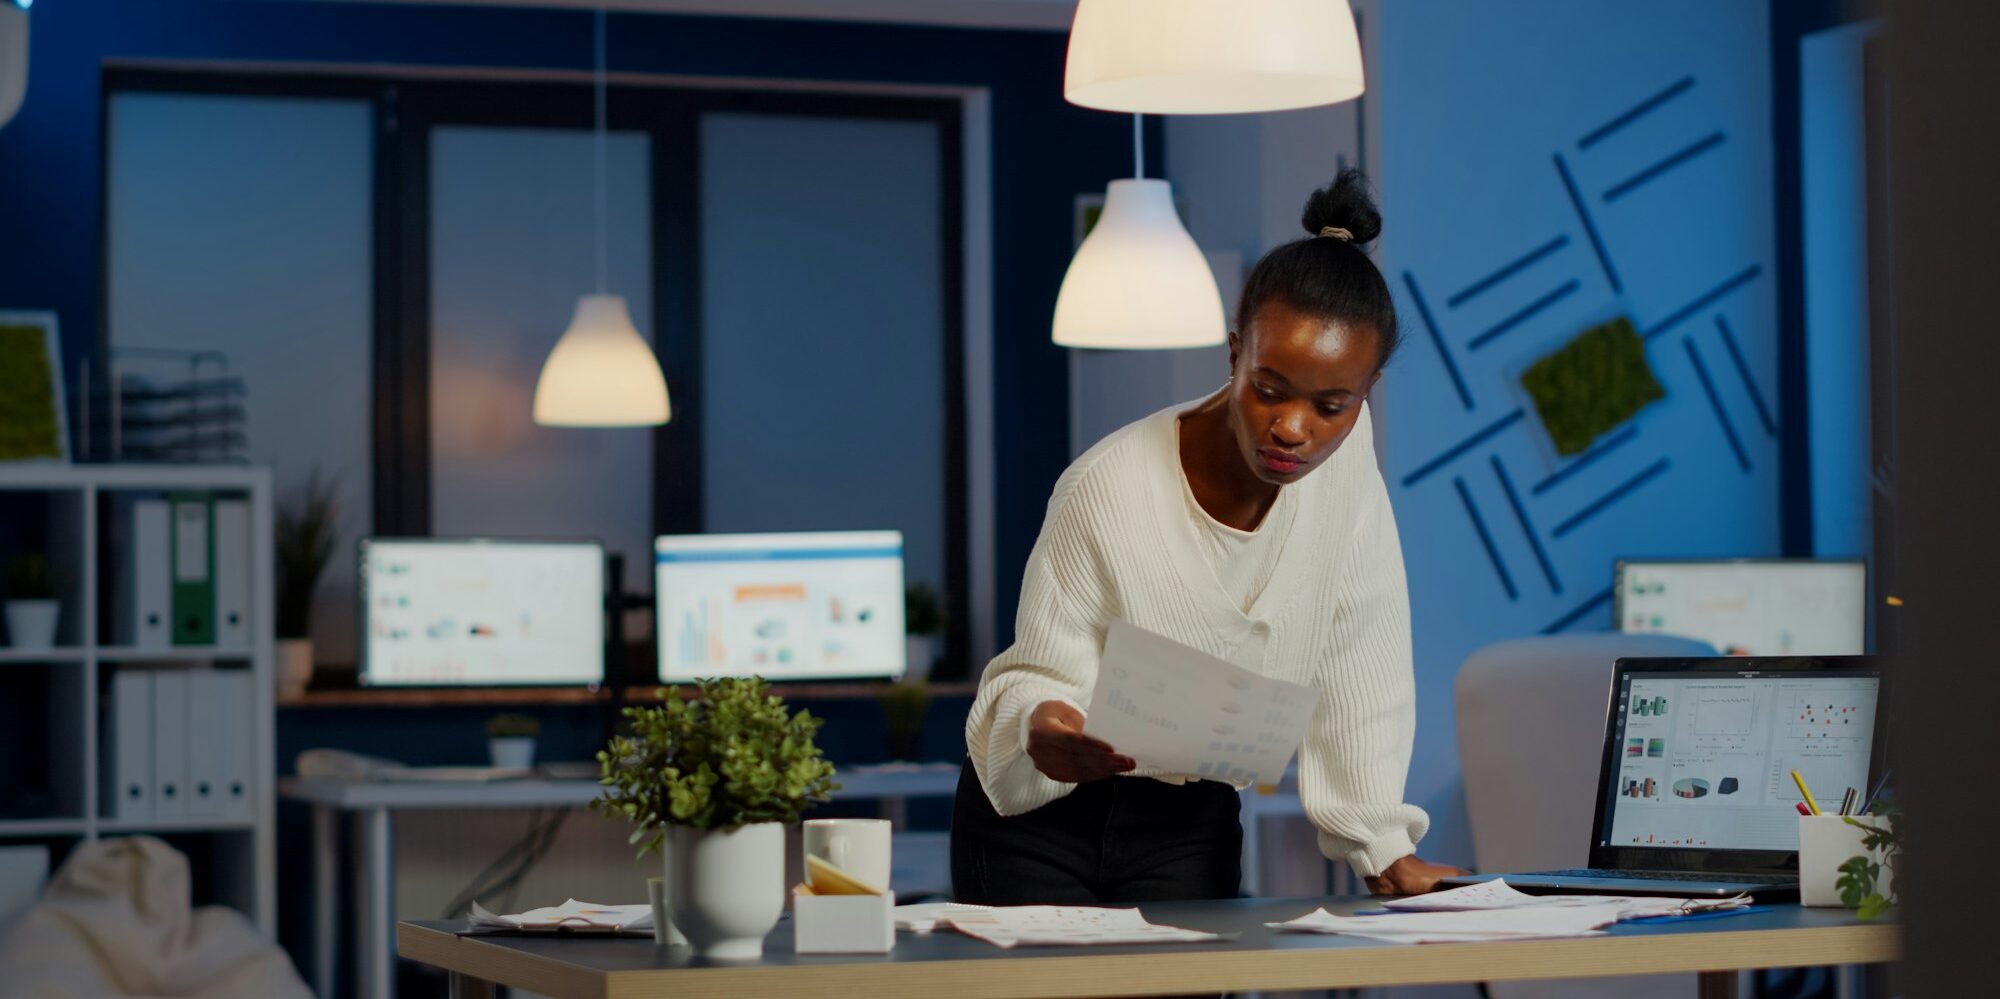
[(1182, 711)]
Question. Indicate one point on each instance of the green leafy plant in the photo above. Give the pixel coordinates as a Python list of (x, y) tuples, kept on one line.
[(730, 756), (1860, 876), (1592, 384), (512, 726), (304, 543), (29, 423), (29, 578), (923, 611)]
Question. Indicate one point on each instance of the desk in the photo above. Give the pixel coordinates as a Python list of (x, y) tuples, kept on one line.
[(948, 963), (373, 804)]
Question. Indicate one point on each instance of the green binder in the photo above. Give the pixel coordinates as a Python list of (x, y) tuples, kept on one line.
[(193, 532)]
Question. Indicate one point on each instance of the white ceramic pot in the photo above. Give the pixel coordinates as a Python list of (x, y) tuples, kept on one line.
[(31, 624), (726, 889), (920, 653), (515, 752), (295, 664)]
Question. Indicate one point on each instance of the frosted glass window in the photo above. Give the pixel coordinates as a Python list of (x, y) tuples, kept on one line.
[(512, 246), (823, 344), (243, 225)]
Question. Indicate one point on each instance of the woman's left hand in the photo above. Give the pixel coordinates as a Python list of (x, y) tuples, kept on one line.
[(1411, 875)]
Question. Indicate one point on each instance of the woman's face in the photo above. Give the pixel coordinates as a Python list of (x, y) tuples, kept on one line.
[(1296, 385)]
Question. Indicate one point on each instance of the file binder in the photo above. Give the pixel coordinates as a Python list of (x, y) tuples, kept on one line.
[(232, 574), (219, 750), (141, 586), (128, 744), (194, 569), (170, 745)]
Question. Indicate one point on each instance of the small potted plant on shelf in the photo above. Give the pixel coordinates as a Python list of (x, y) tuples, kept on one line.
[(305, 537), (712, 781), (925, 620), (904, 705), (510, 740), (32, 607)]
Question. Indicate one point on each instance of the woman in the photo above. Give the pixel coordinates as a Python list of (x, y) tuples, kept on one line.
[(1252, 525)]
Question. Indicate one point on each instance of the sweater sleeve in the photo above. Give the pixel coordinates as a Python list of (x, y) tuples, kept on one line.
[(1356, 755), (1058, 641)]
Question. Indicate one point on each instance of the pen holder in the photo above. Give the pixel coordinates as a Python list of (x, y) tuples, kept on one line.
[(1825, 843)]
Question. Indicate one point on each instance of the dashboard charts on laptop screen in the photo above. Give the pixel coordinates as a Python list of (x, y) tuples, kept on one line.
[(1776, 608), (780, 606), (481, 613), (1705, 760)]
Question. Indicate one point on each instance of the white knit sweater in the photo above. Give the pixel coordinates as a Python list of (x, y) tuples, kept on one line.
[(1117, 542)]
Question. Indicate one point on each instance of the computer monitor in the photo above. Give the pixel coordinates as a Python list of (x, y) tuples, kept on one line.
[(780, 606), (481, 612), (1748, 607)]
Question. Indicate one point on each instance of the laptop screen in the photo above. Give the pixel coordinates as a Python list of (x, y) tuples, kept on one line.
[(1704, 760)]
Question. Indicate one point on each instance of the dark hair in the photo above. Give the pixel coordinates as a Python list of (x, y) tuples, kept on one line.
[(1327, 276)]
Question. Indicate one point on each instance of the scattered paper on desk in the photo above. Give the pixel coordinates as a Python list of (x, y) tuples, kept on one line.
[(571, 916), (1183, 711), (923, 917), (1526, 923), (1498, 894), (1065, 925)]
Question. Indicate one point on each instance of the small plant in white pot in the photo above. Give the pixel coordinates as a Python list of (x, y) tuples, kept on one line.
[(925, 621), (32, 608), (711, 782), (510, 740), (304, 542)]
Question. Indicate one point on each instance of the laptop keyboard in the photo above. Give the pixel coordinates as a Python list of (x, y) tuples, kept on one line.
[(1602, 872)]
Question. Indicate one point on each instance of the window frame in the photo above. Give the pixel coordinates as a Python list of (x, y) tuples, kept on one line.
[(407, 107)]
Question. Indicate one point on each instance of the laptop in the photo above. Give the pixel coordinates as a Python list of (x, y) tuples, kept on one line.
[(1695, 796)]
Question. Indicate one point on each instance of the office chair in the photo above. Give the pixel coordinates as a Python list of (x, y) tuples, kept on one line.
[(1531, 716)]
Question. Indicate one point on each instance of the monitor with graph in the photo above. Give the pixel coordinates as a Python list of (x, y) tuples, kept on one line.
[(1748, 607), (780, 606), (481, 612)]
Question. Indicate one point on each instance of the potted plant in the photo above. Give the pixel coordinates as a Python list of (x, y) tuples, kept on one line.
[(32, 607), (510, 740), (711, 781), (304, 542), (904, 705), (925, 621), (1862, 886)]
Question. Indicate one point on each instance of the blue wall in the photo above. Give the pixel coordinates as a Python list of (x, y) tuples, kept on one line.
[(49, 155), (1546, 166)]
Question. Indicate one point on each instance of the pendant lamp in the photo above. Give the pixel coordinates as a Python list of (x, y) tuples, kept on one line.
[(1139, 282), (602, 373), (1211, 56)]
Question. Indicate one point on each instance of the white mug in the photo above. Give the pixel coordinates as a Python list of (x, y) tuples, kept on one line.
[(859, 847)]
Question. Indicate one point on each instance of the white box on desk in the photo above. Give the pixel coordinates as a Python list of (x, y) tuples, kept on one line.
[(843, 924)]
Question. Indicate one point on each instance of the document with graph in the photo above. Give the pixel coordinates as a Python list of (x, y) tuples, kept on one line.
[(1183, 711)]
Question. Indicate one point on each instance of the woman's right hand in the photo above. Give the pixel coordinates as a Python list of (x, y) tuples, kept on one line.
[(1062, 752)]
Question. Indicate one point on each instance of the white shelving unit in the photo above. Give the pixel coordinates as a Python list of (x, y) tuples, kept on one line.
[(239, 867)]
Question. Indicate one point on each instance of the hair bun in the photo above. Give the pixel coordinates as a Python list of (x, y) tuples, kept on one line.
[(1344, 204)]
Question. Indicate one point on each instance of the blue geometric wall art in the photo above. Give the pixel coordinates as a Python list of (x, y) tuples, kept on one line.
[(1493, 328)]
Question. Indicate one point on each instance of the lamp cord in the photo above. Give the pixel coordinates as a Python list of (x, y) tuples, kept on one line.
[(599, 86), (1139, 145)]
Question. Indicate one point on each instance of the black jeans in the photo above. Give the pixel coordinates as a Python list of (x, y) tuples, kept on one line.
[(1124, 839)]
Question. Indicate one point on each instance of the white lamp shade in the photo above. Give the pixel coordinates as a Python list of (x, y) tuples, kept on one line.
[(1212, 56), (1139, 282), (602, 373)]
